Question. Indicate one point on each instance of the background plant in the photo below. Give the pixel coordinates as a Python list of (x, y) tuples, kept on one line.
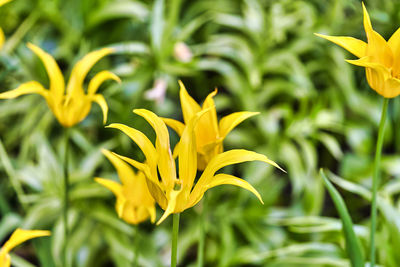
[(316, 111)]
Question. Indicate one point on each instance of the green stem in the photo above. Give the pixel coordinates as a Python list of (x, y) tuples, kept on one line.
[(376, 179), (66, 195), (175, 231), (202, 223), (23, 29)]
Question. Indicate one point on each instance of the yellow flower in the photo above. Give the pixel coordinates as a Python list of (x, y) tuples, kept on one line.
[(381, 59), (134, 202), (19, 236), (209, 133), (177, 193), (2, 38), (70, 105)]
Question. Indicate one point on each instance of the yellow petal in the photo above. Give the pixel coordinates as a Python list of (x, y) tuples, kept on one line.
[(230, 157), (125, 172), (25, 88), (141, 140), (99, 99), (117, 190), (171, 205), (187, 156), (230, 121), (353, 45), (2, 38), (114, 187), (152, 212), (99, 78), (378, 49), (19, 236), (57, 84), (140, 166), (366, 63), (158, 193), (81, 69), (394, 43), (189, 106), (166, 164), (391, 88), (5, 259), (222, 178), (207, 127), (3, 2), (177, 126)]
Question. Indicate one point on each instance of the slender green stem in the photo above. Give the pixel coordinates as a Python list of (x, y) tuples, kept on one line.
[(376, 179), (66, 195), (136, 245), (175, 231), (202, 223), (23, 29)]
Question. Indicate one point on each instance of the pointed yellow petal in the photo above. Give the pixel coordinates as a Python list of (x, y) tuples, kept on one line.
[(99, 99), (140, 139), (189, 106), (230, 121), (152, 212), (99, 78), (2, 38), (81, 69), (353, 45), (394, 43), (366, 63), (140, 166), (117, 190), (171, 206), (378, 49), (3, 2), (207, 127), (114, 187), (125, 172), (57, 84), (177, 126), (25, 88), (230, 157), (187, 157), (221, 179), (166, 164), (19, 236)]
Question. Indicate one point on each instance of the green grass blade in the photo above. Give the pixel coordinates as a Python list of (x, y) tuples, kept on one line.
[(353, 246)]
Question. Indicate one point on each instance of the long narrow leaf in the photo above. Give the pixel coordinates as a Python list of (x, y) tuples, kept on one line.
[(353, 246)]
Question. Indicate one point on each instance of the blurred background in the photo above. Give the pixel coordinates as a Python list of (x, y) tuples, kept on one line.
[(317, 111)]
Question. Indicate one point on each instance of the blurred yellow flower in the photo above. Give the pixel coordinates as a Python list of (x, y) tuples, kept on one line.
[(70, 105), (134, 201), (209, 133), (177, 193), (2, 37), (19, 236), (381, 59)]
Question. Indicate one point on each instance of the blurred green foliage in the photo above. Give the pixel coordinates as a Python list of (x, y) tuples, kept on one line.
[(316, 111)]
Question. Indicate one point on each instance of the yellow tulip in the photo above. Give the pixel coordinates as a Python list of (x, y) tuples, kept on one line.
[(19, 236), (2, 37), (134, 201), (70, 105), (381, 59), (175, 193), (209, 133)]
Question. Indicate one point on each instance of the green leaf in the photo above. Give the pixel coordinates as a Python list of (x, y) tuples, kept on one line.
[(353, 246)]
